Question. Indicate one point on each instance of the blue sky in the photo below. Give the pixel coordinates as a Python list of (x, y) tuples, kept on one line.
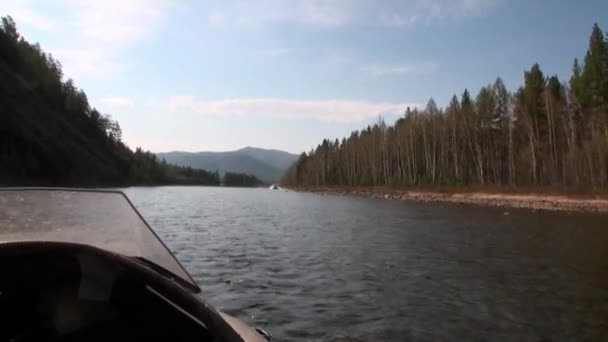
[(220, 75)]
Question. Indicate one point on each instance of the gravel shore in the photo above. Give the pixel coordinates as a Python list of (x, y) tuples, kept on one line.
[(529, 201)]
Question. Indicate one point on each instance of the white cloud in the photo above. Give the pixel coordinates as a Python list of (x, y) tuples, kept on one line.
[(117, 102), (323, 110), (96, 33), (216, 17), (118, 21), (25, 16), (87, 62), (395, 70), (34, 19)]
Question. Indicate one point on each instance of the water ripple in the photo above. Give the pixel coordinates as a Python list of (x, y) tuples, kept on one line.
[(325, 268)]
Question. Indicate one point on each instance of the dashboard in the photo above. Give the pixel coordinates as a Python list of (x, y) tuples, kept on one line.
[(48, 293)]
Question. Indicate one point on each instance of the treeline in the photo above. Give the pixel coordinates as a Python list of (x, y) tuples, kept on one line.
[(50, 134), (547, 134), (241, 180), (148, 169)]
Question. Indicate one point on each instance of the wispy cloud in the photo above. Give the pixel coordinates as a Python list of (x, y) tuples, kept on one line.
[(88, 62), (32, 18), (274, 52), (118, 21), (398, 20), (325, 13), (323, 110), (338, 13), (321, 13), (216, 17), (427, 11), (113, 102), (99, 31), (378, 70)]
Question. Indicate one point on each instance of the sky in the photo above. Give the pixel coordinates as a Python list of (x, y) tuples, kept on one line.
[(285, 74)]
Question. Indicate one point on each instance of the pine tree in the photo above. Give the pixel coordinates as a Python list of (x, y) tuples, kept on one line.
[(594, 92), (501, 104), (547, 133)]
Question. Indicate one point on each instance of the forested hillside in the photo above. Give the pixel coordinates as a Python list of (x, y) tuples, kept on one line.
[(50, 135), (267, 165), (240, 180), (548, 133)]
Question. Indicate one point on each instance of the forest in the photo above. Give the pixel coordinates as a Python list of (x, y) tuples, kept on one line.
[(50, 134), (241, 180), (548, 134)]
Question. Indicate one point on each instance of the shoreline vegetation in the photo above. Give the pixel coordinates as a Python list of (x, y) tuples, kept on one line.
[(512, 198), (241, 180), (542, 146)]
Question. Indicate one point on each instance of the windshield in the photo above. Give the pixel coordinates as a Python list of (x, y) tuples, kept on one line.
[(102, 219)]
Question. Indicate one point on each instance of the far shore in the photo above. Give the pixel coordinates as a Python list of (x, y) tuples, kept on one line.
[(488, 198)]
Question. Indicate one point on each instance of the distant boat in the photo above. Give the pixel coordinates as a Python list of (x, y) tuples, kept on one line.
[(274, 187)]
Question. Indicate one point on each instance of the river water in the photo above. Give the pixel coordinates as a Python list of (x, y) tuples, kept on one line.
[(308, 267)]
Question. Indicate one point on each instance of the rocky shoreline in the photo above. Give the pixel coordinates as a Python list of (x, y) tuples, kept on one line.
[(506, 200)]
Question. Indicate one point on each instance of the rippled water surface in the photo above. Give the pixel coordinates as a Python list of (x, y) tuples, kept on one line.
[(323, 268)]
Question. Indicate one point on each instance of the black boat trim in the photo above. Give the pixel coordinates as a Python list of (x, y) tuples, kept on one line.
[(175, 306), (181, 296)]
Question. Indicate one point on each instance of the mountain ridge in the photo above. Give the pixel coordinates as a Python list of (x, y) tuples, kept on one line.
[(267, 164)]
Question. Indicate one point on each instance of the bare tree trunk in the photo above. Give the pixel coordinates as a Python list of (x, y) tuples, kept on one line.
[(455, 150), (532, 155)]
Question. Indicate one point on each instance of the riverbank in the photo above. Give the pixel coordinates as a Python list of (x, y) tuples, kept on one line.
[(535, 201)]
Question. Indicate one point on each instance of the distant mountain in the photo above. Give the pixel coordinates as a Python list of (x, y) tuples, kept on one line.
[(267, 165)]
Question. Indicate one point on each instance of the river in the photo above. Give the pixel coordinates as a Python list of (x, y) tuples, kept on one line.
[(308, 267)]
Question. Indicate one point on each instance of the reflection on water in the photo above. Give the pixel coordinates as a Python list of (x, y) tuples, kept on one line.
[(309, 267)]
